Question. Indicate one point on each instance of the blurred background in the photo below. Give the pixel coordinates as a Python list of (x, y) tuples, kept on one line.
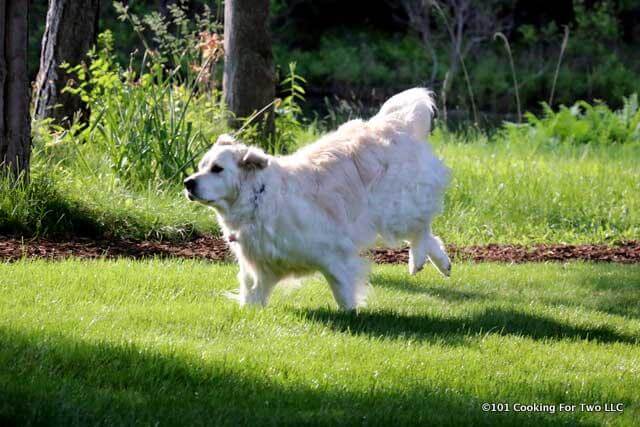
[(365, 50)]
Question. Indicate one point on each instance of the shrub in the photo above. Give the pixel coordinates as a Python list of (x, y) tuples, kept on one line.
[(154, 123), (581, 123)]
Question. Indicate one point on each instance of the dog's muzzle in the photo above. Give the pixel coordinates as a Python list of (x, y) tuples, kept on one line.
[(190, 184)]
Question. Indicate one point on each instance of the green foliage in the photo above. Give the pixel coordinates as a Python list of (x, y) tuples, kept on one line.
[(360, 60), (581, 123), (290, 123), (131, 343), (60, 202), (598, 63), (154, 123)]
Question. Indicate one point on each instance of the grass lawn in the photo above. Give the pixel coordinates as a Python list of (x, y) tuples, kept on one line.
[(503, 191), (125, 342)]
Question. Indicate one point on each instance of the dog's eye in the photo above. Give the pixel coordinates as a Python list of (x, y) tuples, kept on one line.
[(216, 169)]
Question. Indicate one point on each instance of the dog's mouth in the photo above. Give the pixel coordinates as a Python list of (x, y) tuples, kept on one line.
[(193, 198)]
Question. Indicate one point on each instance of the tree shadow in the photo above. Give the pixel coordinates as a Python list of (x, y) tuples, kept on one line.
[(616, 293), (57, 380), (453, 331)]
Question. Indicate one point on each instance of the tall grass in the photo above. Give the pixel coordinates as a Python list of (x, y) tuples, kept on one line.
[(511, 187), (516, 88), (581, 123)]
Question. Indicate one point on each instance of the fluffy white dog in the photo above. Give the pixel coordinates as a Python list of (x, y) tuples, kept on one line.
[(317, 209)]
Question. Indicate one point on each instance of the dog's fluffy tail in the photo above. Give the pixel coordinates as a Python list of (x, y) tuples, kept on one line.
[(411, 110)]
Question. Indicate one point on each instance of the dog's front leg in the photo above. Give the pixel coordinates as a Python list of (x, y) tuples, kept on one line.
[(246, 280), (347, 279), (255, 286)]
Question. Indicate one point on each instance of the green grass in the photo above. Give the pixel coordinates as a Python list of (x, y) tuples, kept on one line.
[(61, 202), (124, 342), (515, 192), (502, 191)]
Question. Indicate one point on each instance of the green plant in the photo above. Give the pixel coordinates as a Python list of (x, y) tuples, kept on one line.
[(289, 111), (513, 71), (582, 123), (154, 123)]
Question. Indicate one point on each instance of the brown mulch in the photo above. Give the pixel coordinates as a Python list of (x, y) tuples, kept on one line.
[(623, 252), (215, 249)]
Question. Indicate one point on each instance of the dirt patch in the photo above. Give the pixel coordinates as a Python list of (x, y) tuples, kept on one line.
[(216, 249)]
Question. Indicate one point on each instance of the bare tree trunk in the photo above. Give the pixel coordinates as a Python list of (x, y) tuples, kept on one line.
[(15, 125), (249, 76), (72, 27)]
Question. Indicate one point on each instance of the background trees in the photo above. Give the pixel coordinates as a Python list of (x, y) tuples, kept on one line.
[(15, 128), (249, 77), (71, 30)]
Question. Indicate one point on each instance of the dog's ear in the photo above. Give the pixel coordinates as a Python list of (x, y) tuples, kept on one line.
[(254, 159), (226, 139)]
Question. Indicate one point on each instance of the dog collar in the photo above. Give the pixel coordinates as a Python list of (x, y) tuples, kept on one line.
[(256, 195)]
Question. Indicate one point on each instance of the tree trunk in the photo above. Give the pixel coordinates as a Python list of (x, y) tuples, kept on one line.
[(15, 125), (71, 30), (249, 76)]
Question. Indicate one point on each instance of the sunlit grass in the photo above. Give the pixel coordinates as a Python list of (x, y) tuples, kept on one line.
[(502, 191), (125, 342), (511, 192)]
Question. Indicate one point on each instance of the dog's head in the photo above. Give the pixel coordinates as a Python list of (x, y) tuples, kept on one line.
[(222, 171)]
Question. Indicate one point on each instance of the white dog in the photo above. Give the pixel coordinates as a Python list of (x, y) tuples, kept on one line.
[(317, 209)]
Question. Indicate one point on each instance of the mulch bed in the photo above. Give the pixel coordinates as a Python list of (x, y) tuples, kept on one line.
[(215, 249)]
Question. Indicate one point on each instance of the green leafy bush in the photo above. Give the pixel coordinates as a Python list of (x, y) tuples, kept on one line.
[(154, 123), (582, 123)]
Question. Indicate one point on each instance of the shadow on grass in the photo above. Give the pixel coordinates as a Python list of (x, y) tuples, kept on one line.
[(616, 293), (57, 380), (42, 209), (454, 330), (445, 292)]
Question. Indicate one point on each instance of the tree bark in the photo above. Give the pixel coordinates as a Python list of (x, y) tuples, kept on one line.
[(249, 75), (72, 27), (15, 125)]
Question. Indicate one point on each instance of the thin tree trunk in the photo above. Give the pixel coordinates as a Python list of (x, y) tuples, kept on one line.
[(249, 75), (15, 126), (72, 27)]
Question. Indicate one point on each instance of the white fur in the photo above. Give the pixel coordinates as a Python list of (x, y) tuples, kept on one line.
[(317, 209)]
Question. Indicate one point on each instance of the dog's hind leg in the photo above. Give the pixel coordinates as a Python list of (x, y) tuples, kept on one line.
[(348, 282), (427, 245), (418, 252), (438, 255)]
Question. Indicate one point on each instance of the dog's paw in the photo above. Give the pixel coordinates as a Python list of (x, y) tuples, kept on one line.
[(443, 266), (413, 268), (234, 296), (447, 270)]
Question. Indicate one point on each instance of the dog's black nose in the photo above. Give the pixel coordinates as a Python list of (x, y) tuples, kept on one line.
[(190, 184)]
